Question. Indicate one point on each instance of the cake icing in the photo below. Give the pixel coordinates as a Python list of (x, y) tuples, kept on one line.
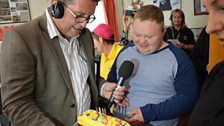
[(95, 118)]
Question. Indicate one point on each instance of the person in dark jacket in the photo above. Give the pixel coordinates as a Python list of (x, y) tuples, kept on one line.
[(179, 34), (47, 66), (209, 111), (200, 56)]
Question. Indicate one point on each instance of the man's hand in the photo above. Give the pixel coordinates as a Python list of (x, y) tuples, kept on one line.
[(119, 93), (137, 119)]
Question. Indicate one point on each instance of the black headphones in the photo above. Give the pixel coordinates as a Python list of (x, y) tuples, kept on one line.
[(171, 16), (57, 10)]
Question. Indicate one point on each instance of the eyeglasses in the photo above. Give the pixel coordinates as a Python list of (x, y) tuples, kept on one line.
[(80, 18)]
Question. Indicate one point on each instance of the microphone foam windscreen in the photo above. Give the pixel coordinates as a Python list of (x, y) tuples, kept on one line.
[(126, 69)]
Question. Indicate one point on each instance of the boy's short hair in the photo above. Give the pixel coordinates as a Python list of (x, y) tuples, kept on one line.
[(150, 12)]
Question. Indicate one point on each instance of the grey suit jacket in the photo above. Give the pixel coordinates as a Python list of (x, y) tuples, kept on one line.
[(36, 87)]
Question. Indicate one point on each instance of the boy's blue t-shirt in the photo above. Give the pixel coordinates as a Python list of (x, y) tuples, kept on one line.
[(163, 84)]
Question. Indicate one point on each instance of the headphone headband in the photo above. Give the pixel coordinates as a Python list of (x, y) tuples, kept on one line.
[(57, 10)]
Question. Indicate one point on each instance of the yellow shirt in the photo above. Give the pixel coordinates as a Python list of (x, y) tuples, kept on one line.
[(107, 62)]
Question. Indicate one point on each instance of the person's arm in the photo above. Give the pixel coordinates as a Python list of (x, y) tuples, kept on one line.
[(18, 83), (186, 95), (166, 35), (126, 21), (111, 84), (200, 56), (189, 45)]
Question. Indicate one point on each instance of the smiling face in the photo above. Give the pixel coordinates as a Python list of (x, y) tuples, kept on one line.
[(68, 26), (215, 23), (147, 35), (177, 19), (147, 29)]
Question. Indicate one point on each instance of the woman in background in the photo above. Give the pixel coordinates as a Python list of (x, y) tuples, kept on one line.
[(179, 34)]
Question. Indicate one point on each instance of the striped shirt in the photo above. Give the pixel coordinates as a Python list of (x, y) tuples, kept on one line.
[(77, 66)]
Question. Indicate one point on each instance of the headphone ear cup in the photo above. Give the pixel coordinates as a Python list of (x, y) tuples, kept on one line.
[(57, 10)]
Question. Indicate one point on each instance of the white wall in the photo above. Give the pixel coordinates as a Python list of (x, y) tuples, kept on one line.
[(187, 6), (193, 21), (37, 7), (119, 13)]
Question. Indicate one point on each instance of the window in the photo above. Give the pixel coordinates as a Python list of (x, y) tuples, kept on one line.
[(100, 17)]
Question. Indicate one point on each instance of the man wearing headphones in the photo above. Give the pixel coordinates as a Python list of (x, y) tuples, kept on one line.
[(48, 66)]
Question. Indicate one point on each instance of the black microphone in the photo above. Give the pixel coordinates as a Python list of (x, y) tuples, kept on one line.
[(124, 73)]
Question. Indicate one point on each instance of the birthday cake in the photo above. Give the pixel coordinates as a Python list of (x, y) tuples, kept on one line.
[(96, 118)]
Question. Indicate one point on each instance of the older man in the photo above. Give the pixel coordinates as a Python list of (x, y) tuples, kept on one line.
[(48, 66)]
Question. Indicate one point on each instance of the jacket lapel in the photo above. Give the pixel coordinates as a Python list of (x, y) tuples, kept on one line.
[(86, 43), (57, 53)]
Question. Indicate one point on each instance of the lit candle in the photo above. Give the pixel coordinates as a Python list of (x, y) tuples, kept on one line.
[(99, 111), (105, 112), (102, 112)]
